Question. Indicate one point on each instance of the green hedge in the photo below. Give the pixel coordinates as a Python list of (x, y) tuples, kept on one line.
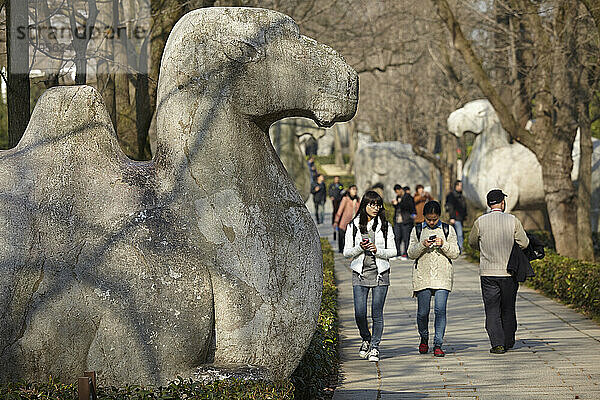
[(569, 280), (316, 370), (319, 366), (573, 281)]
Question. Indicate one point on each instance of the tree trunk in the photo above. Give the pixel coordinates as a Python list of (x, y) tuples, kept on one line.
[(18, 91), (81, 39), (584, 187), (46, 33), (337, 147), (105, 74), (143, 111), (352, 142)]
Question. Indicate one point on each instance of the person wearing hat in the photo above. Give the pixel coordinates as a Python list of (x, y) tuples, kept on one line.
[(494, 234)]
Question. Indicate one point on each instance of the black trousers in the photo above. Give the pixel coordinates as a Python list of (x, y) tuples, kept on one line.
[(336, 206), (499, 298), (341, 240), (406, 230), (398, 239)]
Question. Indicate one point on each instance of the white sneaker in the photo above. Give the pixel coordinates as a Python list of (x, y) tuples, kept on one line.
[(374, 355), (364, 349), (403, 258)]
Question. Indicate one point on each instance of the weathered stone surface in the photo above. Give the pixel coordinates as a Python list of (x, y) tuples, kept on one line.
[(288, 137), (490, 164), (144, 271), (389, 163)]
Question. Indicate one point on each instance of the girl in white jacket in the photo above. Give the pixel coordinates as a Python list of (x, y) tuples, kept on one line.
[(370, 243)]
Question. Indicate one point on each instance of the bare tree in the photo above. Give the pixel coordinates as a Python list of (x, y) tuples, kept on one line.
[(18, 69), (550, 86)]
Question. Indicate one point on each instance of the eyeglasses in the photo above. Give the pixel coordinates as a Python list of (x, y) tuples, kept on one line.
[(377, 206)]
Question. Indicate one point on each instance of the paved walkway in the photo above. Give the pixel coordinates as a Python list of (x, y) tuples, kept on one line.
[(555, 356)]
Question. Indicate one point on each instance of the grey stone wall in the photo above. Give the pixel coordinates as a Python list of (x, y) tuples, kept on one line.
[(389, 163)]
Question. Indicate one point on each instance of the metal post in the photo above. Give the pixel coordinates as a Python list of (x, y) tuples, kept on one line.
[(92, 376), (84, 385)]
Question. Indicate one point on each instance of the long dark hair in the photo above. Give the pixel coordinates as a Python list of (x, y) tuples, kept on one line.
[(348, 193), (372, 197)]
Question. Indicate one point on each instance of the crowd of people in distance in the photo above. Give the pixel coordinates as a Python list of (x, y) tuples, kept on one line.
[(417, 232)]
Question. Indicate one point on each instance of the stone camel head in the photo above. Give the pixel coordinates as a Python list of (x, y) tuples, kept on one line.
[(203, 257), (477, 116)]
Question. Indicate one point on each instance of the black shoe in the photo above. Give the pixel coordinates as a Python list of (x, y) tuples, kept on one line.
[(508, 346), (498, 350)]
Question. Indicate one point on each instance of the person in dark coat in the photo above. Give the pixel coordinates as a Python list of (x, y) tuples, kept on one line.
[(457, 211), (319, 193), (398, 219), (407, 211), (335, 191)]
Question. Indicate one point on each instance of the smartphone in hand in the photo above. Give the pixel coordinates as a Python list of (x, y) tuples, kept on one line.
[(431, 239), (365, 241)]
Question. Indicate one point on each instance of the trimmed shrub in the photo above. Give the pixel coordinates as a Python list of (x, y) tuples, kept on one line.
[(319, 366), (573, 281), (316, 370)]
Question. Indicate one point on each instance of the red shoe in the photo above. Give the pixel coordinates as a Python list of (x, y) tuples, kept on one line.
[(438, 352), (423, 348)]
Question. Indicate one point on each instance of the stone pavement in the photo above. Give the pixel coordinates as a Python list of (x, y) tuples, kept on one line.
[(555, 356)]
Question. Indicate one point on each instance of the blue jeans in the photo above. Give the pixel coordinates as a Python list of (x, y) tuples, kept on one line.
[(360, 312), (424, 303), (458, 227), (320, 212)]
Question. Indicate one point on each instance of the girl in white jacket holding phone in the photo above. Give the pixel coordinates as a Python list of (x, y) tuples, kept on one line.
[(370, 243)]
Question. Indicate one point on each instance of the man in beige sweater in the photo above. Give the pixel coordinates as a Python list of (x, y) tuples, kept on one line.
[(494, 234)]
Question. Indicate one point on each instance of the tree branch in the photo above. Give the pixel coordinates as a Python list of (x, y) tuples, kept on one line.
[(482, 79), (388, 65)]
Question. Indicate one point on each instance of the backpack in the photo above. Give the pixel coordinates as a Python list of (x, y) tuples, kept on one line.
[(355, 231), (419, 229)]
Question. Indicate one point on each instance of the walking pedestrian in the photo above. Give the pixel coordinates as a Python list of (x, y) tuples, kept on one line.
[(398, 220), (347, 211), (408, 211), (335, 191), (421, 197), (494, 234), (457, 210), (370, 244), (433, 246), (312, 168), (319, 195)]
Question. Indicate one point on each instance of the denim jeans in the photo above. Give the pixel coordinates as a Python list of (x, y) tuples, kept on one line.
[(320, 212), (458, 226), (398, 239), (360, 312), (424, 303)]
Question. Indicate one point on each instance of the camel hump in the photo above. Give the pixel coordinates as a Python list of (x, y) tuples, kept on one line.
[(70, 117)]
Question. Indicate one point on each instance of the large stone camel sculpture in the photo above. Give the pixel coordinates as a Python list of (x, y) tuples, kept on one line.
[(206, 255), (494, 162)]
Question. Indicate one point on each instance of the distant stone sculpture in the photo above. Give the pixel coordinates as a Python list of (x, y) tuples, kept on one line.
[(389, 163), (492, 151), (145, 271), (289, 137)]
